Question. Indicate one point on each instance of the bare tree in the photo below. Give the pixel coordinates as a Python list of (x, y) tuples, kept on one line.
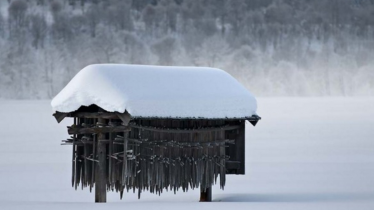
[(134, 49), (93, 18), (213, 50), (120, 15), (106, 44), (164, 50), (2, 26), (56, 8), (38, 30), (62, 28), (149, 14), (236, 15), (17, 15)]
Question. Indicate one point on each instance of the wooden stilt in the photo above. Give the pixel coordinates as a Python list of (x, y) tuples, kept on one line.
[(240, 148), (100, 178), (206, 196)]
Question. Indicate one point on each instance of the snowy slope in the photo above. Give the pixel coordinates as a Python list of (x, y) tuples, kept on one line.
[(157, 91), (306, 153)]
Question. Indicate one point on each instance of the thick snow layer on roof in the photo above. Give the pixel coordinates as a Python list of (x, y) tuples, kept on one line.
[(157, 91)]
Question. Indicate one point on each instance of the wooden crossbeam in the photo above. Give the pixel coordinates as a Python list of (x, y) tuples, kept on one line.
[(102, 115), (120, 140), (195, 130), (97, 129)]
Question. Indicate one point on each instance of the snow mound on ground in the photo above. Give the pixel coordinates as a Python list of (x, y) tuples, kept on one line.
[(157, 91)]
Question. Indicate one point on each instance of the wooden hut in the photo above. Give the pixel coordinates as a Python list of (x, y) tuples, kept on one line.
[(154, 128)]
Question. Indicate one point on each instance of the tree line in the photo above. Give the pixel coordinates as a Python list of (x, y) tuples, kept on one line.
[(273, 47)]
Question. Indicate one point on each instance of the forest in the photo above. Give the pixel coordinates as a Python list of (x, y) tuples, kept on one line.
[(273, 47)]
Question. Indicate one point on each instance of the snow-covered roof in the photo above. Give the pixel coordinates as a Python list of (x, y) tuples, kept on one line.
[(157, 91)]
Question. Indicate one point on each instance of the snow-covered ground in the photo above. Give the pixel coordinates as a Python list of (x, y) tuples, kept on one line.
[(306, 153)]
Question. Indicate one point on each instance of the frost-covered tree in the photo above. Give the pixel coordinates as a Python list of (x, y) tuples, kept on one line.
[(38, 29), (274, 47), (106, 44), (119, 15), (17, 21), (164, 50), (93, 18), (213, 51)]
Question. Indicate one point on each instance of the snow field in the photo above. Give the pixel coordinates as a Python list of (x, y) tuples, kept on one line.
[(306, 153)]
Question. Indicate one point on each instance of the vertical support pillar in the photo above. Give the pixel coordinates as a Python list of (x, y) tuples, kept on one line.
[(240, 148), (100, 173), (206, 196)]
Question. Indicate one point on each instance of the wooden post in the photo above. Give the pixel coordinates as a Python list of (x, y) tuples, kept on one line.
[(206, 196), (100, 174), (240, 148)]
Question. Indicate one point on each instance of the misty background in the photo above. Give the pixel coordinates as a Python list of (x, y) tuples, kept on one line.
[(273, 47)]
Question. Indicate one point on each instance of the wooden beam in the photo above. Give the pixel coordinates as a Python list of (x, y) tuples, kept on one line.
[(240, 148), (60, 116), (103, 115), (124, 160), (198, 130), (73, 157), (249, 118), (206, 194), (100, 178), (97, 129)]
